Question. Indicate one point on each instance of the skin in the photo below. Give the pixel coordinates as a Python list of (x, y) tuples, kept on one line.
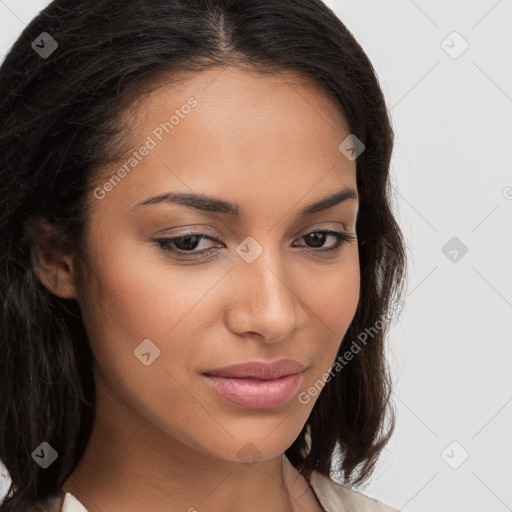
[(162, 439)]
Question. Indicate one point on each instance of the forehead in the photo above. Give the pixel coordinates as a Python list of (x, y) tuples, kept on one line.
[(226, 131)]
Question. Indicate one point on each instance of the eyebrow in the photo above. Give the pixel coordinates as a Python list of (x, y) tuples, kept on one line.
[(210, 204)]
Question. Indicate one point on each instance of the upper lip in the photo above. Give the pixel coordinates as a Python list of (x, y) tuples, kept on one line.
[(259, 369)]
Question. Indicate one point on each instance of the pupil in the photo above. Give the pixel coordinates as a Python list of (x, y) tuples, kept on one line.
[(182, 244), (318, 239)]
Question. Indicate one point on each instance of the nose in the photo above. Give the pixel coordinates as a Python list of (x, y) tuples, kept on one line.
[(266, 303)]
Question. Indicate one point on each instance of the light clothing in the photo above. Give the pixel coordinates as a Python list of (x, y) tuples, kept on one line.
[(335, 497)]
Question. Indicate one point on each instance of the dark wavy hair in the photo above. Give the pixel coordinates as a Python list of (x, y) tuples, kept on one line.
[(60, 122)]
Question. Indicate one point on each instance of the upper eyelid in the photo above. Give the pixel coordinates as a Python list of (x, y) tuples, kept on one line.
[(212, 234)]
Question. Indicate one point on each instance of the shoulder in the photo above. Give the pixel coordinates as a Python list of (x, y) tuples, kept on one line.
[(71, 504), (336, 497), (62, 502)]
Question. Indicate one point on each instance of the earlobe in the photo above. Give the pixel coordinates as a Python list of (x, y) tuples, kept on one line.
[(57, 275)]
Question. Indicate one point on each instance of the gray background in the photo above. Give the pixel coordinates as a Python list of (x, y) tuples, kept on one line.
[(451, 349)]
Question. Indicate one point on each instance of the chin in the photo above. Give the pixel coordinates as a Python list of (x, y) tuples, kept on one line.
[(253, 440)]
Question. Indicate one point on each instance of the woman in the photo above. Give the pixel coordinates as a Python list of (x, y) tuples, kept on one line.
[(198, 259)]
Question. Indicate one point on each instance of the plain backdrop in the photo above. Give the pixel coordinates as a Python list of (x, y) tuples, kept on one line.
[(445, 68)]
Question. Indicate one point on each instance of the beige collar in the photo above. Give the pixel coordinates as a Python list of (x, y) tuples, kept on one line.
[(302, 494)]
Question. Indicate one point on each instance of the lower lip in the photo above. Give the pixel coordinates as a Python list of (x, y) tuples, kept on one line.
[(257, 394)]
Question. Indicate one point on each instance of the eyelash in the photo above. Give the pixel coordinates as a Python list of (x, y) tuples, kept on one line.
[(342, 237)]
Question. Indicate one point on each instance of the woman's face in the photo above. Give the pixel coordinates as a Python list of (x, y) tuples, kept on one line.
[(261, 288)]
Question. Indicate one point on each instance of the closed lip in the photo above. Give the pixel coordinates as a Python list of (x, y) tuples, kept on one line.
[(263, 370)]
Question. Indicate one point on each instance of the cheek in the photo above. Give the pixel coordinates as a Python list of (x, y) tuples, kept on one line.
[(139, 305), (133, 289), (331, 303), (341, 296), (133, 295), (332, 292)]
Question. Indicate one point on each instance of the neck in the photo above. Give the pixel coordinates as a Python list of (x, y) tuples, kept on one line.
[(131, 465)]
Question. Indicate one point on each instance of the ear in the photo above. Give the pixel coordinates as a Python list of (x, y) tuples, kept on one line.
[(55, 267)]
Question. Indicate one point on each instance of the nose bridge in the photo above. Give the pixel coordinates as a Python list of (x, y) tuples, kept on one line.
[(267, 302), (268, 276)]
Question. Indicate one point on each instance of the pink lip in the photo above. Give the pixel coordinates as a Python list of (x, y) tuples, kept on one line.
[(259, 369), (258, 384)]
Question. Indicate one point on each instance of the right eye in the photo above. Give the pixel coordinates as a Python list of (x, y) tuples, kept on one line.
[(184, 245)]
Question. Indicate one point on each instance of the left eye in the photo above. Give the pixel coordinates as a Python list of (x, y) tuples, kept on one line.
[(185, 245), (319, 237)]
